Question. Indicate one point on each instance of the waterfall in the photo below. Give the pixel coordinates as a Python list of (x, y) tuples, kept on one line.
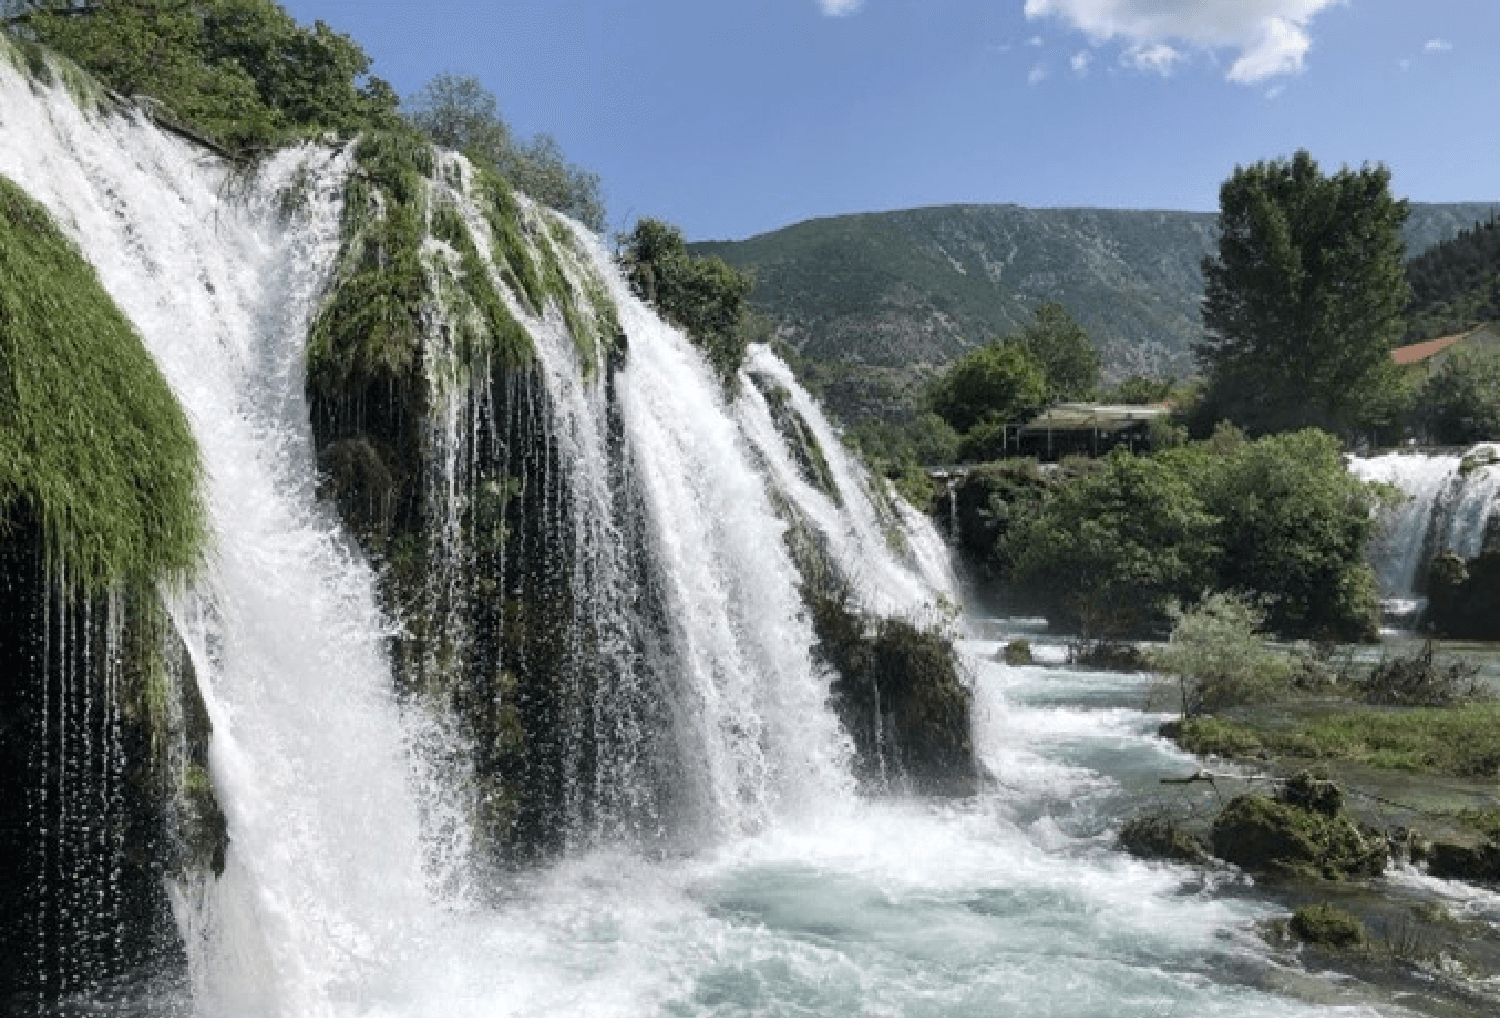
[(348, 808), (1449, 503)]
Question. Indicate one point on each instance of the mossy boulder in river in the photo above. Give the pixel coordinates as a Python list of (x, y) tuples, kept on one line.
[(1303, 832)]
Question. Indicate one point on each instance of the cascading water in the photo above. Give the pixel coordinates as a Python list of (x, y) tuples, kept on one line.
[(1449, 504), (344, 892)]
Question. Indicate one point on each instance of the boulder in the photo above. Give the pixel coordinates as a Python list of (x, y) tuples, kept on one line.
[(1156, 836), (1303, 832)]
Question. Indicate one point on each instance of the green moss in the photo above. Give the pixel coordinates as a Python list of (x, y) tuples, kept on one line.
[(1327, 926), (93, 444), (372, 325), (1459, 741), (497, 328), (529, 260), (1271, 836), (805, 449)]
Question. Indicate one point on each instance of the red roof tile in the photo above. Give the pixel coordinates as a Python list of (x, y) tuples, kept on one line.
[(1418, 352)]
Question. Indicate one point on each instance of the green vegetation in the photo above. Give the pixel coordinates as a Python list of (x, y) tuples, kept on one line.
[(1459, 741), (876, 304), (1109, 551), (457, 112), (241, 71), (1009, 381), (1327, 926), (94, 448), (997, 385), (1218, 657), (1303, 301), (1460, 401), (1279, 520), (1067, 356), (371, 326), (706, 296), (803, 445)]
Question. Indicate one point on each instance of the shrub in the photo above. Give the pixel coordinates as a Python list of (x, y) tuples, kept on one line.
[(1415, 681), (1218, 657), (1460, 402), (706, 296)]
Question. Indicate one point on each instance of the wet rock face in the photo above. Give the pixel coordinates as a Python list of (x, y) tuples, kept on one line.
[(104, 746), (1303, 832), (899, 694), (1464, 597)]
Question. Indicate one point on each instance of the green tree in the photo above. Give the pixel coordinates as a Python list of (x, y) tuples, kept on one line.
[(1303, 302), (242, 71), (1460, 402), (456, 111), (998, 384), (1109, 552), (706, 296), (1292, 528), (1065, 352)]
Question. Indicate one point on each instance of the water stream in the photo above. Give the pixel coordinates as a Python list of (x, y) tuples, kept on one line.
[(344, 893)]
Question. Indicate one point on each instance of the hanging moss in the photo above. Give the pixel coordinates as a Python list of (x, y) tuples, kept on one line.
[(92, 441), (501, 332), (372, 323), (529, 262)]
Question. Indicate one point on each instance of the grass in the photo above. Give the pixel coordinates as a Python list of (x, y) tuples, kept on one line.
[(93, 445), (1461, 741)]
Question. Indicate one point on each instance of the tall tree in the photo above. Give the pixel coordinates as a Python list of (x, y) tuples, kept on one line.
[(1303, 303), (458, 112), (1065, 351)]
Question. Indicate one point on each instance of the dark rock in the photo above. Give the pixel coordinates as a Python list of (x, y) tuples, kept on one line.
[(900, 696), (1463, 598), (1462, 862), (1156, 836)]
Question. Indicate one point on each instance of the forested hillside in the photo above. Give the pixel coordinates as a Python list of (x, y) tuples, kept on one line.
[(1455, 284), (875, 303)]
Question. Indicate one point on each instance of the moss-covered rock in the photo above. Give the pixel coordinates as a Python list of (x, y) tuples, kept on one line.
[(1303, 833), (805, 449), (1327, 926), (1158, 836), (899, 694), (93, 444), (1016, 652)]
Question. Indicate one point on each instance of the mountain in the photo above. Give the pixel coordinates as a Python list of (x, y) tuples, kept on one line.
[(874, 304)]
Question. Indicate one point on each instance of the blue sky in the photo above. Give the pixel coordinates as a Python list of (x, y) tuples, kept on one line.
[(732, 118)]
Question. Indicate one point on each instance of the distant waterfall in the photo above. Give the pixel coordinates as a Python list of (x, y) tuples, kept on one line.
[(1450, 504)]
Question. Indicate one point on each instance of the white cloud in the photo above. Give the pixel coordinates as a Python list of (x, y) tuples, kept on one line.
[(1438, 46), (1037, 76), (1158, 57), (1080, 62), (1404, 64), (1269, 36), (839, 8), (1035, 40)]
